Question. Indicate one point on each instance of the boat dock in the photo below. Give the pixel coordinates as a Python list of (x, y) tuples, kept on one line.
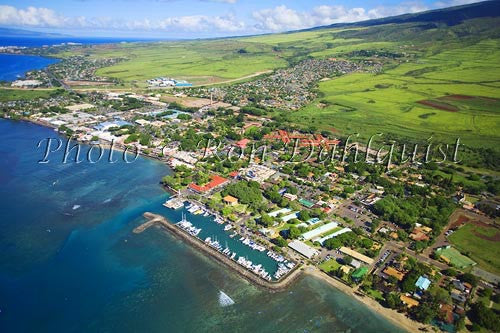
[(281, 284), (174, 203)]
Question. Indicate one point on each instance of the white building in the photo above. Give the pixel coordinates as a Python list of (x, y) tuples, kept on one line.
[(303, 249)]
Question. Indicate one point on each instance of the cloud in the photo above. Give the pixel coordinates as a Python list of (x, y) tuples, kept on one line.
[(282, 18), (47, 18), (450, 3)]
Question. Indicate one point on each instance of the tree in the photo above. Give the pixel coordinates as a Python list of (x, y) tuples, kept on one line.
[(266, 220), (304, 215), (484, 316), (469, 277), (294, 232), (280, 241)]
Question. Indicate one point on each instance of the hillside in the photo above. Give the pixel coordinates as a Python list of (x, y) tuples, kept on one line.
[(440, 74)]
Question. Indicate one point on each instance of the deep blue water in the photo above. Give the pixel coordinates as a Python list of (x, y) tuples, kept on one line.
[(69, 261), (13, 67), (41, 41)]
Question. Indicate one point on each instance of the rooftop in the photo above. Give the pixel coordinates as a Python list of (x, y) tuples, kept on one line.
[(303, 249)]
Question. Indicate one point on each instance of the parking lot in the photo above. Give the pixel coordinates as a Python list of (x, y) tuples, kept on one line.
[(361, 216)]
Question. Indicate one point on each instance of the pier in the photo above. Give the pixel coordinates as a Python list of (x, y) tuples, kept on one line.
[(281, 284)]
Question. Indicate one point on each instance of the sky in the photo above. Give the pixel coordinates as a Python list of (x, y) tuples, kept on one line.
[(196, 18)]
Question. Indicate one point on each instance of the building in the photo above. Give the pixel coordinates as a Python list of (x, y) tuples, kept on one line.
[(318, 231), (258, 173), (80, 107), (423, 283), (26, 83), (290, 196), (391, 271), (109, 124), (216, 181), (242, 143), (303, 249), (332, 235), (356, 255), (230, 200), (408, 301)]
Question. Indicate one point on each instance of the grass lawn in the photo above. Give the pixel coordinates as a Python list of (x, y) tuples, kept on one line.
[(485, 252), (376, 294), (329, 265)]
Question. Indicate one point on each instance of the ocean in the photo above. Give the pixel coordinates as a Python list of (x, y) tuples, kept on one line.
[(13, 67), (69, 261)]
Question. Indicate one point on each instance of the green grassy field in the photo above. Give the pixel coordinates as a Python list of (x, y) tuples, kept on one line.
[(388, 103), (329, 265), (24, 94), (485, 252), (409, 99), (199, 62)]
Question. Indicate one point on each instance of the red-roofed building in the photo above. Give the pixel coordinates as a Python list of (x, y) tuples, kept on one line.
[(304, 139), (215, 182), (242, 143), (234, 174)]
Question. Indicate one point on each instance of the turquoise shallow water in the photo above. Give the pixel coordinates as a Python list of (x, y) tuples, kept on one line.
[(69, 261)]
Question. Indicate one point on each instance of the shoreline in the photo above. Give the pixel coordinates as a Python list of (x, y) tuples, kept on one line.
[(272, 286), (397, 318)]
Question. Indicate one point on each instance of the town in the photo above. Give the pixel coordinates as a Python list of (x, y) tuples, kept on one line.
[(387, 235)]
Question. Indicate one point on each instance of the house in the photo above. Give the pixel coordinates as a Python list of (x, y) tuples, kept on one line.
[(391, 271), (423, 283), (234, 174), (408, 301), (242, 143), (446, 313), (289, 196), (230, 200), (458, 297), (420, 233)]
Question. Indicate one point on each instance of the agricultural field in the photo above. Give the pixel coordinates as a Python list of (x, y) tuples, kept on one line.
[(426, 87), (428, 98), (199, 62), (481, 243)]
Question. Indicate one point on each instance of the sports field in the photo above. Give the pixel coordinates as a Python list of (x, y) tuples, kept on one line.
[(480, 243), (456, 258)]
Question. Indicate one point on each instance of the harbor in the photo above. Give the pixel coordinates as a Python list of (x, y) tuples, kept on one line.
[(282, 276)]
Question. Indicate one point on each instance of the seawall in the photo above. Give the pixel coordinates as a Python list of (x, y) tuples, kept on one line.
[(282, 284)]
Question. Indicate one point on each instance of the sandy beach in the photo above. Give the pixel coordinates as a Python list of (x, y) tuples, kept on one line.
[(397, 318)]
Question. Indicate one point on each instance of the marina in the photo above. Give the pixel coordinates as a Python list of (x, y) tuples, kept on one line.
[(256, 266)]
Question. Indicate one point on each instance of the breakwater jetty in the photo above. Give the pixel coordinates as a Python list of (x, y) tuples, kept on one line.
[(158, 220)]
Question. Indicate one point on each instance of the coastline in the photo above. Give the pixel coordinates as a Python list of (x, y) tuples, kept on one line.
[(393, 316), (272, 286)]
